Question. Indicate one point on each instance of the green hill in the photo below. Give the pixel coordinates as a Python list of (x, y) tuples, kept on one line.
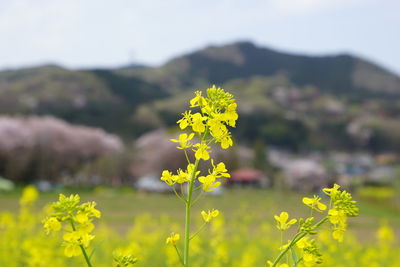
[(289, 100)]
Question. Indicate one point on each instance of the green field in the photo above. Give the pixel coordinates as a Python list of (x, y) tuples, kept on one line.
[(244, 235), (120, 206)]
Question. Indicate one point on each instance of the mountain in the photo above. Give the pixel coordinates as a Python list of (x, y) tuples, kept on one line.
[(92, 97), (340, 74), (298, 101)]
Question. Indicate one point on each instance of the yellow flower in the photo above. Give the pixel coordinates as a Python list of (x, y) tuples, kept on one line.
[(181, 177), (217, 128), (90, 210), (337, 216), (309, 259), (220, 170), (167, 177), (29, 195), (82, 217), (332, 192), (209, 182), (86, 227), (198, 125), (186, 120), (73, 241), (201, 152), (385, 234), (52, 225), (338, 233), (314, 203), (184, 141), (226, 141), (198, 100), (173, 239), (207, 216), (72, 250), (303, 243), (190, 168), (282, 223), (270, 263), (230, 115)]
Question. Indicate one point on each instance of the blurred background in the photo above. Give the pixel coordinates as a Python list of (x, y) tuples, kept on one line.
[(90, 92)]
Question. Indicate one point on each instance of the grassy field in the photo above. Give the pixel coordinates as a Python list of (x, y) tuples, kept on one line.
[(120, 206), (244, 235)]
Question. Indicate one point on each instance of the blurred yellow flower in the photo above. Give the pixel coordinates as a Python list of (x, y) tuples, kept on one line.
[(173, 239), (29, 195), (207, 216)]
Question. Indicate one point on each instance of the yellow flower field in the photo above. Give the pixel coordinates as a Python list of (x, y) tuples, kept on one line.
[(243, 234)]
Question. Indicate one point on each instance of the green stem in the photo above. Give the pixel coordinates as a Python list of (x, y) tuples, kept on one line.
[(179, 255), (198, 197), (295, 239), (294, 257), (82, 248), (187, 214), (198, 231), (176, 193)]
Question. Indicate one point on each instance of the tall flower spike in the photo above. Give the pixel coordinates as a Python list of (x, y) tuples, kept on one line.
[(210, 125)]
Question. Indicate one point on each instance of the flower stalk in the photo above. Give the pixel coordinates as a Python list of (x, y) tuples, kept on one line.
[(341, 207), (217, 111)]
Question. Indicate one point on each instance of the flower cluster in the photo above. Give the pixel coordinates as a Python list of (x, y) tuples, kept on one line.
[(122, 260), (216, 112), (207, 123), (68, 210), (310, 251), (341, 207)]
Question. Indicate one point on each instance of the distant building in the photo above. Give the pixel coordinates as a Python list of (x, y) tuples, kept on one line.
[(249, 177), (305, 175)]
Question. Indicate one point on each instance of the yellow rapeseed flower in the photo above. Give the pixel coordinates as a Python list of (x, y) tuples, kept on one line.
[(198, 100), (29, 195), (201, 152), (183, 141), (309, 259), (198, 125), (167, 177), (52, 225), (209, 182), (207, 216), (173, 239), (282, 223), (314, 203), (337, 216), (186, 120)]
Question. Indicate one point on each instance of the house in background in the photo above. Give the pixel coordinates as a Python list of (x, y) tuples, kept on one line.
[(249, 177)]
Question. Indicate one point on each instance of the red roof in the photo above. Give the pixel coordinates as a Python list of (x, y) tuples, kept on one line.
[(246, 175)]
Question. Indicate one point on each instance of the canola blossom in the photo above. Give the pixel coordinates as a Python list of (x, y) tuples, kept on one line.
[(76, 221), (241, 238), (209, 120), (308, 253)]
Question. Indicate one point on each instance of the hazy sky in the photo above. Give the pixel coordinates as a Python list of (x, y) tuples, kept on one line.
[(85, 33)]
